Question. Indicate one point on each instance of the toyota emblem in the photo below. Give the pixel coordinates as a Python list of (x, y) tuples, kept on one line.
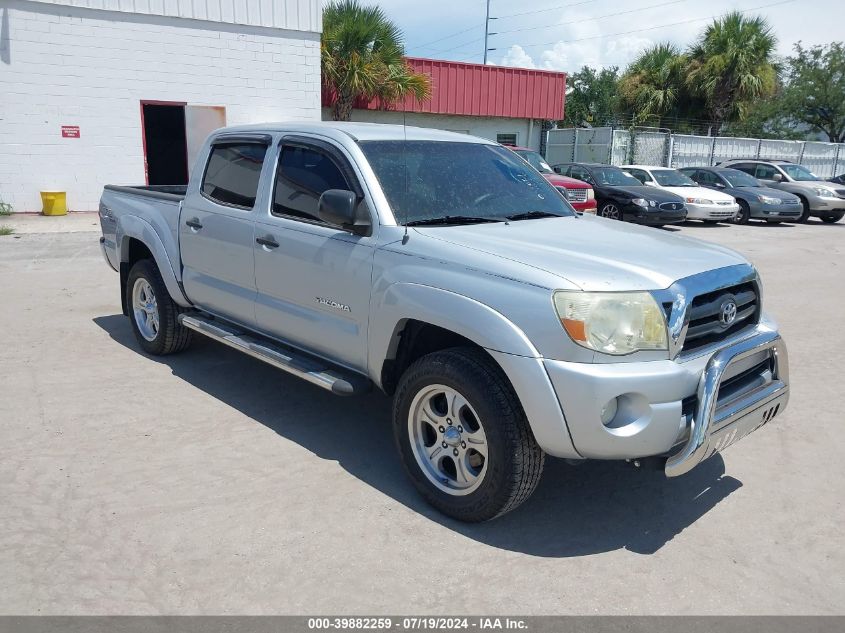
[(727, 314)]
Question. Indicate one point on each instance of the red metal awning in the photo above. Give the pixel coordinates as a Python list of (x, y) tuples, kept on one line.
[(479, 90)]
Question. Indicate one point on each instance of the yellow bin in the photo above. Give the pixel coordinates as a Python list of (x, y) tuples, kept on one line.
[(54, 202)]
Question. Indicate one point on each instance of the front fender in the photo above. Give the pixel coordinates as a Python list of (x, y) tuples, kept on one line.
[(481, 324), (131, 226)]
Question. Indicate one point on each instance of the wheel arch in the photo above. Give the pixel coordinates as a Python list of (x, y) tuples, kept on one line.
[(138, 240)]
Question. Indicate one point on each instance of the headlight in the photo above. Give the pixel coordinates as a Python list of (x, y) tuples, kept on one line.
[(612, 322), (699, 201), (824, 192), (768, 200), (640, 202), (591, 194)]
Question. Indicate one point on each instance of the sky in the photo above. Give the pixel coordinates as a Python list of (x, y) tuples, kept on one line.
[(568, 34)]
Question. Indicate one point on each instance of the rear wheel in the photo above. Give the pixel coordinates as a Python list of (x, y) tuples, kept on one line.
[(152, 313), (463, 437), (744, 214), (611, 211), (830, 218)]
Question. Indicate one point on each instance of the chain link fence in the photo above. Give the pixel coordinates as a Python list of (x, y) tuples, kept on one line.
[(660, 147)]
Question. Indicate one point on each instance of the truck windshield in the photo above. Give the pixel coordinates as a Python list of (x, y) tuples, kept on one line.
[(431, 180), (536, 161), (799, 172)]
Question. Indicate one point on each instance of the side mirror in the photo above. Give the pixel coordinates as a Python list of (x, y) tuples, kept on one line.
[(338, 206), (556, 169), (719, 185), (777, 178)]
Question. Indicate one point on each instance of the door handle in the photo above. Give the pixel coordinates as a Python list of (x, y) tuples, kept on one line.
[(267, 242), (194, 223)]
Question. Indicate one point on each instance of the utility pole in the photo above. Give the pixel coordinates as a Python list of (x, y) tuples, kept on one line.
[(486, 31)]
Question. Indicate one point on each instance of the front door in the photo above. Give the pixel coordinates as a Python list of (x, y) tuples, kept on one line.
[(313, 278), (216, 231)]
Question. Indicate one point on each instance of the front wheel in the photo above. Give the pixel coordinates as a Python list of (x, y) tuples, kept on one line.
[(744, 214), (153, 314), (611, 211), (463, 437), (805, 214), (830, 218)]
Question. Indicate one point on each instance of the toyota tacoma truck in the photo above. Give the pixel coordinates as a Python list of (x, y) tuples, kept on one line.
[(505, 326)]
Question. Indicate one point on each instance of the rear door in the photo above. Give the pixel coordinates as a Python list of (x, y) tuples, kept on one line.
[(216, 229), (313, 278)]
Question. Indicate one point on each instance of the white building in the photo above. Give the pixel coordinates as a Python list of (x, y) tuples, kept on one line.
[(123, 91)]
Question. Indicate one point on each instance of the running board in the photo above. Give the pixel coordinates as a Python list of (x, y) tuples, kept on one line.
[(341, 382)]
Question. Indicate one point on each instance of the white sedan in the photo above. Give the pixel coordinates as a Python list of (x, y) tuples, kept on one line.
[(702, 204)]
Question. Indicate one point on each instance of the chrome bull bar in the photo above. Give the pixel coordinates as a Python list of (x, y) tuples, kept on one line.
[(714, 428)]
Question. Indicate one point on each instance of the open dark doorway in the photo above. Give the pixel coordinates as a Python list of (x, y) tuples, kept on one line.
[(165, 143)]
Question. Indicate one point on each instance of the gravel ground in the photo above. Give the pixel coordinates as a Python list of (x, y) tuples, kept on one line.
[(210, 483)]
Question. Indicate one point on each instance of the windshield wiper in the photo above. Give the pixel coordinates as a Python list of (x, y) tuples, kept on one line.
[(530, 215), (452, 219)]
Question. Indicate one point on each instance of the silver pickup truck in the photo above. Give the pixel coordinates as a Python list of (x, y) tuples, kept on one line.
[(445, 271)]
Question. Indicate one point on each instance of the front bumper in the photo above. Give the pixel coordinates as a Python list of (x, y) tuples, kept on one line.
[(763, 211), (639, 215), (722, 212), (674, 408), (825, 205)]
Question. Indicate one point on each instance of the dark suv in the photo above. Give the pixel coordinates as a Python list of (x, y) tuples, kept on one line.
[(623, 197)]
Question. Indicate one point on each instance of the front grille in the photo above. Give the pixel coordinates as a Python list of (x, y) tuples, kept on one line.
[(577, 195), (707, 324), (672, 206), (723, 203)]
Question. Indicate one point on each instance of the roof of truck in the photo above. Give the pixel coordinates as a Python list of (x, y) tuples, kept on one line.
[(359, 131)]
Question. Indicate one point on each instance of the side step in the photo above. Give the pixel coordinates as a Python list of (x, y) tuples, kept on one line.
[(339, 381)]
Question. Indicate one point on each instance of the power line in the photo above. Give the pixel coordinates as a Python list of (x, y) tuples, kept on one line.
[(659, 26), (561, 6), (598, 17), (446, 37)]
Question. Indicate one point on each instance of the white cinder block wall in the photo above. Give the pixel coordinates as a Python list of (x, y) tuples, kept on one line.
[(63, 64), (528, 135)]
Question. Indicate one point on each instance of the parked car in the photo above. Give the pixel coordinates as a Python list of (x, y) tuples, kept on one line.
[(579, 193), (839, 180), (756, 201), (702, 204), (623, 197), (505, 325), (819, 198)]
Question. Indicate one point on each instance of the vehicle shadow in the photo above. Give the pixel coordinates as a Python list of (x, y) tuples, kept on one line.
[(576, 510)]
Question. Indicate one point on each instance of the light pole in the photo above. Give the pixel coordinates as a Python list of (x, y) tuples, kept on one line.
[(486, 31)]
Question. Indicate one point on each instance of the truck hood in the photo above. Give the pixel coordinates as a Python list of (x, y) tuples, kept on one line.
[(591, 253)]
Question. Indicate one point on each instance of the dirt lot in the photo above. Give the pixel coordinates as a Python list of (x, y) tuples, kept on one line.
[(211, 483)]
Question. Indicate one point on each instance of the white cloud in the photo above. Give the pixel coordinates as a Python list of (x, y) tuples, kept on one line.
[(517, 58)]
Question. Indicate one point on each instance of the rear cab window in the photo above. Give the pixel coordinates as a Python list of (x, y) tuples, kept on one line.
[(233, 172)]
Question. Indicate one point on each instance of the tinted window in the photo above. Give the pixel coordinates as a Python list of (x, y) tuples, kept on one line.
[(703, 177), (765, 172), (233, 172), (748, 168), (506, 139), (425, 180), (302, 176), (639, 174)]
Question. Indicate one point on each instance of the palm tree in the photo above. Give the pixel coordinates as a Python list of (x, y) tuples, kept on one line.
[(732, 66), (363, 57), (653, 83)]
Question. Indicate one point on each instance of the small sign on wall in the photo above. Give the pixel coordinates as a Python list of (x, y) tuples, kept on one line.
[(70, 131)]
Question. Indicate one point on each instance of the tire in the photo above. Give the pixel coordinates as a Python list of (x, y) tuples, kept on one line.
[(830, 218), (489, 416), (805, 215), (154, 318), (611, 211), (744, 214)]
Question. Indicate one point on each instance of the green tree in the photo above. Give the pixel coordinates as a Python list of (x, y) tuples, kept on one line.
[(814, 95), (732, 66), (363, 57), (653, 85), (591, 97)]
